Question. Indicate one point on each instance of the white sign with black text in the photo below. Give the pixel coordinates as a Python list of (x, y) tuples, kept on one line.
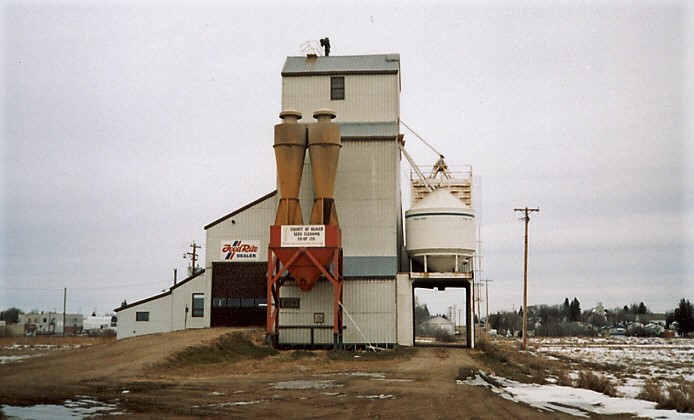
[(303, 236)]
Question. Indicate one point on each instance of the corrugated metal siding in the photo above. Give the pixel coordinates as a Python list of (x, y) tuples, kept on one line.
[(367, 197), (318, 300), (371, 306), (370, 302), (368, 130), (373, 98), (335, 64)]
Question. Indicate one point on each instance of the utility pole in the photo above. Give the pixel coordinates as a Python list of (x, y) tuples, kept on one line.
[(486, 302), (64, 303), (479, 274), (478, 286), (193, 256), (527, 212)]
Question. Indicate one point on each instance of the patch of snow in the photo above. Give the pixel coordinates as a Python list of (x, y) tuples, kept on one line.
[(305, 384), (377, 397), (14, 359), (573, 401)]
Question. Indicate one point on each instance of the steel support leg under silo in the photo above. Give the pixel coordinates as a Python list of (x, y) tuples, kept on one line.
[(469, 316)]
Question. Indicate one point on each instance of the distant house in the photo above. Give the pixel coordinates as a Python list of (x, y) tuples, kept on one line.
[(438, 323), (655, 328), (97, 325), (615, 330), (51, 323)]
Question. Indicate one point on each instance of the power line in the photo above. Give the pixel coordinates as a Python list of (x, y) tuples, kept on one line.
[(119, 286)]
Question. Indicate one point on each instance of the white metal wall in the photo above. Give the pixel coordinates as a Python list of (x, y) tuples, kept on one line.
[(367, 197), (251, 224), (371, 304), (374, 97), (182, 296), (405, 310), (159, 318)]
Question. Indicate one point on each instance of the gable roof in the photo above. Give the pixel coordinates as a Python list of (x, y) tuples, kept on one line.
[(160, 295), (346, 64), (241, 209)]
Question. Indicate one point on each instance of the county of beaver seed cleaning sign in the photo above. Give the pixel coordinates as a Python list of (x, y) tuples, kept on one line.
[(303, 235)]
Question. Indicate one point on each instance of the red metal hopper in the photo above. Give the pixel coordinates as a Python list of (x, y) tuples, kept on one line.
[(306, 263)]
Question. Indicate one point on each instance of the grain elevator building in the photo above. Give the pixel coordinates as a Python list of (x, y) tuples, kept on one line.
[(364, 94)]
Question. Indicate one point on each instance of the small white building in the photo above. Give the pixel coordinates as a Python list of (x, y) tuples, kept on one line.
[(438, 323), (182, 306), (96, 325)]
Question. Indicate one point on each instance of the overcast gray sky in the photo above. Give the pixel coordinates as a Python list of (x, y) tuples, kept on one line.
[(126, 127)]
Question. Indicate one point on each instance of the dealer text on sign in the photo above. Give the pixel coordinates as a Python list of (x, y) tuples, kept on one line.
[(239, 250)]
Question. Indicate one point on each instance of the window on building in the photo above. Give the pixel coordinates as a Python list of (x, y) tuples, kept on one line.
[(337, 88), (290, 303), (247, 302), (141, 316), (198, 304)]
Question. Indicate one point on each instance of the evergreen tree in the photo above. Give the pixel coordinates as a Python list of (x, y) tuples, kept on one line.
[(684, 315), (421, 312), (575, 310), (567, 308)]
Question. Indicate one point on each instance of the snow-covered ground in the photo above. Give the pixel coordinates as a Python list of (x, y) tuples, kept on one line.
[(574, 401), (14, 353), (628, 362)]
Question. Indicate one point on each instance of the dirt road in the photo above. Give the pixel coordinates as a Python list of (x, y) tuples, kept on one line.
[(287, 385)]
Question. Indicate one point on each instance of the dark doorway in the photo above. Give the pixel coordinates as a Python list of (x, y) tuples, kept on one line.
[(239, 294), (441, 316)]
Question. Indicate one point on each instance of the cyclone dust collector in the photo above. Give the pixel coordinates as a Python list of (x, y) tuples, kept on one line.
[(298, 252)]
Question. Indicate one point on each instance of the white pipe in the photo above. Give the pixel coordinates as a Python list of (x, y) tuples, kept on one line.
[(414, 166)]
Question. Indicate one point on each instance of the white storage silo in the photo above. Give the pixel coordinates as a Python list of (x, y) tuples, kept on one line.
[(440, 233)]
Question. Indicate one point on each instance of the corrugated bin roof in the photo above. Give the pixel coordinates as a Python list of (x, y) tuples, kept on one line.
[(347, 64)]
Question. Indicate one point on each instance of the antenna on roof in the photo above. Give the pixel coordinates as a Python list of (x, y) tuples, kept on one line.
[(311, 49)]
